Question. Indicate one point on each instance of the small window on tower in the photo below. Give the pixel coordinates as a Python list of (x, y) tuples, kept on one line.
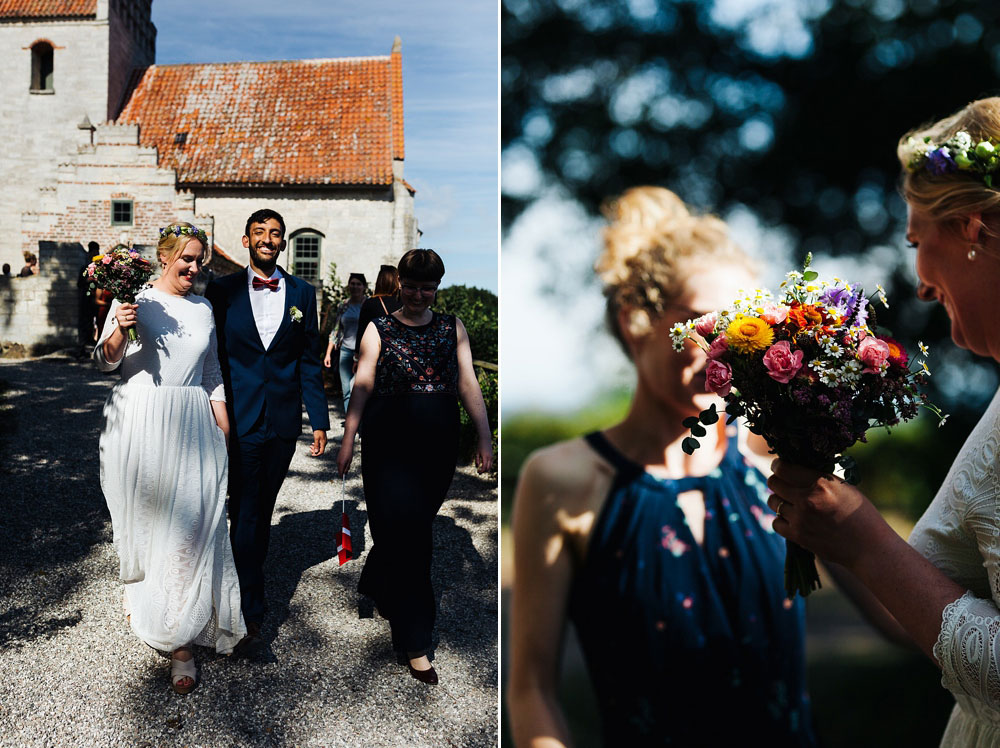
[(121, 212), (180, 138), (41, 67)]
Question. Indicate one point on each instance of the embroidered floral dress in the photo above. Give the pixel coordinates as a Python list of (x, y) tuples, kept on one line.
[(409, 447), (688, 644)]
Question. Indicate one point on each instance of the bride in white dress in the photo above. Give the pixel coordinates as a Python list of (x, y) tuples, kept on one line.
[(944, 586), (164, 463)]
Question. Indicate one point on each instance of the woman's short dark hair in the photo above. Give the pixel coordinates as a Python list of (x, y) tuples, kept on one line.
[(358, 276), (421, 265), (387, 281)]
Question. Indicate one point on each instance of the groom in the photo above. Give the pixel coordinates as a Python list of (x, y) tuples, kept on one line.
[(265, 322)]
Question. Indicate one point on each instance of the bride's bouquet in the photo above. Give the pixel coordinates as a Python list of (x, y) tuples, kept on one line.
[(810, 372), (123, 272)]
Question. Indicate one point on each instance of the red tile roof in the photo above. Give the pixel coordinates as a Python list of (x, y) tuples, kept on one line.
[(336, 122), (47, 8)]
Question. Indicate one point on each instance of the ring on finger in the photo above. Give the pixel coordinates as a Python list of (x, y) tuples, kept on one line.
[(777, 509)]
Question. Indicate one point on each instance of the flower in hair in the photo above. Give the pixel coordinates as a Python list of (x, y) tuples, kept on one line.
[(192, 231), (939, 161), (958, 153)]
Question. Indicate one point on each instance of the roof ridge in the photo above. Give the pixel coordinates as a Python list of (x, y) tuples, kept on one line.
[(384, 58)]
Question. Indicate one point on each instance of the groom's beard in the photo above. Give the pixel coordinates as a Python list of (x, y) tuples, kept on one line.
[(263, 263)]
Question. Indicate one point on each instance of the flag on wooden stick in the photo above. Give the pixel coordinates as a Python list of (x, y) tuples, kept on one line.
[(344, 536)]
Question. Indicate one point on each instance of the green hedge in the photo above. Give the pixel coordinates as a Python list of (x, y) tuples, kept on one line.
[(479, 310)]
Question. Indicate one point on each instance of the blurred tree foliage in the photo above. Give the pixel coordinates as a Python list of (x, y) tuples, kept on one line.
[(791, 109), (478, 309)]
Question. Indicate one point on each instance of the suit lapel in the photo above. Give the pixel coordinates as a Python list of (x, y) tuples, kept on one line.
[(244, 312), (291, 290)]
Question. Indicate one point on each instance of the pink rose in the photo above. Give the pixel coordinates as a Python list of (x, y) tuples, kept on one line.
[(719, 346), (106, 260), (873, 353), (705, 324), (774, 314), (781, 363), (718, 378)]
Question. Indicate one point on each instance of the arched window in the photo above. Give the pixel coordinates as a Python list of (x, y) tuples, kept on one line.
[(306, 246), (41, 66)]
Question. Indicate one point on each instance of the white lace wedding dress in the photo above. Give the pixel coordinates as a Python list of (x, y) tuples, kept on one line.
[(164, 469), (960, 534)]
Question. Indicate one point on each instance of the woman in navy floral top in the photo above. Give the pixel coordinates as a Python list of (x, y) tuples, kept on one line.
[(415, 365), (666, 563)]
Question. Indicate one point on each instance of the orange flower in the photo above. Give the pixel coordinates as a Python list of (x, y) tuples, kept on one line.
[(804, 316)]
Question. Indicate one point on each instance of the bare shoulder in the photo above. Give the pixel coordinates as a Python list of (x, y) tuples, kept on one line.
[(570, 475)]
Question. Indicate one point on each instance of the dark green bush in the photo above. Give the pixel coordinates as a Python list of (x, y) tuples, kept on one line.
[(478, 310)]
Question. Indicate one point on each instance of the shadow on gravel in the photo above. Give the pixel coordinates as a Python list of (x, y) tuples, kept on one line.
[(52, 510)]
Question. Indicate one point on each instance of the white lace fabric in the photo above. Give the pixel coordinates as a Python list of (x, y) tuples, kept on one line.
[(164, 471), (960, 534)]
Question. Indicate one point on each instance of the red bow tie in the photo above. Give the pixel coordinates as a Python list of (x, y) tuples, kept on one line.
[(271, 283)]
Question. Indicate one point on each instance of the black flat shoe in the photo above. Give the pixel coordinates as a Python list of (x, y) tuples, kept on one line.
[(429, 676)]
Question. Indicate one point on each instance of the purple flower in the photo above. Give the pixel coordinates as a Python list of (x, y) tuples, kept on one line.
[(939, 162), (837, 299), (861, 317)]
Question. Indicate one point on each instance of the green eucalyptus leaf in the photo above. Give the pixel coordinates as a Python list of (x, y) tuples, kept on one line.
[(709, 416), (689, 445), (690, 422), (698, 430)]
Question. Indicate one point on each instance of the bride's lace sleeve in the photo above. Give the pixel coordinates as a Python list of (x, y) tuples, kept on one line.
[(211, 377), (110, 323), (968, 647)]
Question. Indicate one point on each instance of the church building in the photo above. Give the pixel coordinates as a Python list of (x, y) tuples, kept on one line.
[(98, 143)]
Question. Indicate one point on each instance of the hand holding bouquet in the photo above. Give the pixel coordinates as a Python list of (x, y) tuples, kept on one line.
[(810, 374), (122, 272)]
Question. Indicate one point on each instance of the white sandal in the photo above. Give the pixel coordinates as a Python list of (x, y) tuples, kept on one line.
[(180, 669)]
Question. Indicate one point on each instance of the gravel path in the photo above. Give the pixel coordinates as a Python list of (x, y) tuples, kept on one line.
[(74, 675)]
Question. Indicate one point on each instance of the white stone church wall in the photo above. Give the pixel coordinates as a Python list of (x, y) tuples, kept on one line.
[(37, 130), (357, 225)]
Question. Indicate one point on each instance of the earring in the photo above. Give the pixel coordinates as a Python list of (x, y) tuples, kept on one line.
[(972, 254)]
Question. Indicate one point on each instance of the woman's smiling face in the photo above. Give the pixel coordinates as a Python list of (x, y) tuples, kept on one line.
[(967, 289)]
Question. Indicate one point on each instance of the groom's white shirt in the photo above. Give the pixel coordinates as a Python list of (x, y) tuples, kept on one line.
[(267, 305)]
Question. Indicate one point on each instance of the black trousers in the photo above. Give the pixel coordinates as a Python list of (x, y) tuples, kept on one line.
[(409, 446), (258, 463)]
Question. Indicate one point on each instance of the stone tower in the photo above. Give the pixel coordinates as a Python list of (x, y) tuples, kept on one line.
[(66, 66)]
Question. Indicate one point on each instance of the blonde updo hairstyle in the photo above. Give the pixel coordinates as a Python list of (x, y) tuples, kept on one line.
[(171, 244), (651, 245), (948, 198)]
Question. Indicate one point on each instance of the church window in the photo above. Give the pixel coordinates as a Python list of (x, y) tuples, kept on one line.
[(305, 254), (121, 212), (41, 67), (180, 138)]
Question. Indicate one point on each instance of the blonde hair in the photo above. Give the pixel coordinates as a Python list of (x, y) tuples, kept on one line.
[(172, 244), (947, 197), (649, 244)]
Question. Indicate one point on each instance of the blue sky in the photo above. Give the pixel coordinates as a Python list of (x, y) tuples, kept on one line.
[(450, 94)]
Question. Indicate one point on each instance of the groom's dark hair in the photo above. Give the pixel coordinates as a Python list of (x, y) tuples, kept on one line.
[(262, 216)]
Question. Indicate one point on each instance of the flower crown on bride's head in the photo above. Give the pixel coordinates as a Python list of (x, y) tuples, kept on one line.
[(958, 153), (192, 231)]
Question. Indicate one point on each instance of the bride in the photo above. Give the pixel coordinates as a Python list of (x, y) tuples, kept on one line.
[(164, 462)]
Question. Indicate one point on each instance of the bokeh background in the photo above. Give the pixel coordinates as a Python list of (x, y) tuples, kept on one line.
[(782, 117)]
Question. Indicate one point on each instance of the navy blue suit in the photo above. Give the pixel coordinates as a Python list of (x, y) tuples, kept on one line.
[(265, 389)]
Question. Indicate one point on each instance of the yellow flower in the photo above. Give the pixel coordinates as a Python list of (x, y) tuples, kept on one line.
[(97, 258), (749, 334)]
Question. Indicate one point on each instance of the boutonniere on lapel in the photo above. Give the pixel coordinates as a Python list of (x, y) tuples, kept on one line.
[(295, 314)]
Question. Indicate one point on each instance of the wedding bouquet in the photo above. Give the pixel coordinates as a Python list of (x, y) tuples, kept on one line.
[(810, 372), (123, 272)]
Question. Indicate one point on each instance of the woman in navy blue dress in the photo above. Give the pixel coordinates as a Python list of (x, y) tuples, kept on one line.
[(666, 563)]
